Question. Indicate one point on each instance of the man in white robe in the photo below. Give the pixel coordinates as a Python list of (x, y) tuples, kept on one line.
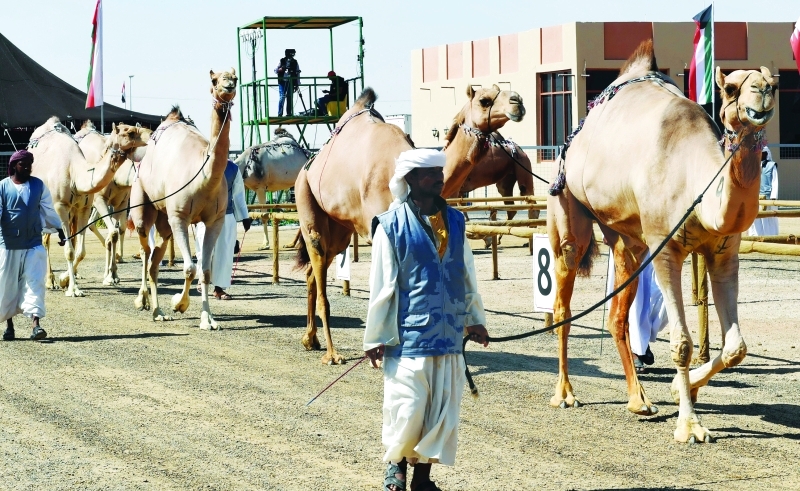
[(26, 210), (768, 190), (423, 301), (222, 257), (647, 316)]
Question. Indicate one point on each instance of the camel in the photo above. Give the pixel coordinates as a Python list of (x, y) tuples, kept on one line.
[(72, 181), (181, 182), (271, 166), (347, 184), (112, 197), (636, 166)]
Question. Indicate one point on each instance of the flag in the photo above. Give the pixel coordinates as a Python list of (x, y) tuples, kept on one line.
[(795, 42), (701, 69), (94, 86), (123, 92)]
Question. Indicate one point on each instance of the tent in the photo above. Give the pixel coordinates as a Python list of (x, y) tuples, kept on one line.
[(29, 95)]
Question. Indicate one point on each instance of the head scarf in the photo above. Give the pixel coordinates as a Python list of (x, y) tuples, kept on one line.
[(769, 154), (405, 163), (18, 156)]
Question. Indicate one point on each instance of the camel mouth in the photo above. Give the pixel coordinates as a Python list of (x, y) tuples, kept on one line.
[(515, 117), (758, 117)]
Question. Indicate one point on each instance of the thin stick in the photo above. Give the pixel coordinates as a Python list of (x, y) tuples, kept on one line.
[(603, 325), (337, 379), (238, 255)]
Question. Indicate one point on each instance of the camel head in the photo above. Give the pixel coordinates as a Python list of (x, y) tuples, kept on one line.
[(223, 86), (125, 137), (748, 99), (489, 109)]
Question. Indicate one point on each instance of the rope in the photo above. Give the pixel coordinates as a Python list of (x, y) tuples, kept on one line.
[(611, 295), (337, 379)]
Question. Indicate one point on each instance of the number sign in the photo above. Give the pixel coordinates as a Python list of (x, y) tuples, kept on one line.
[(544, 275)]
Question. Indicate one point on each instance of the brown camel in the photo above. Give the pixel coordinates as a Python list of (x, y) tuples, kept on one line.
[(181, 182), (111, 198), (72, 180), (638, 164), (347, 184)]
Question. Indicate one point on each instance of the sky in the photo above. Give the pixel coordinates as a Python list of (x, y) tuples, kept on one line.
[(169, 46)]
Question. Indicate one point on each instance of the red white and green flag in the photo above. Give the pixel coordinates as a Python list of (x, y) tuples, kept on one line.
[(94, 86), (795, 42), (701, 70)]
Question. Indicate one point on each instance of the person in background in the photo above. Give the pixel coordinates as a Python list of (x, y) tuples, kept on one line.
[(222, 257), (423, 301), (26, 210), (336, 92), (288, 71), (768, 190)]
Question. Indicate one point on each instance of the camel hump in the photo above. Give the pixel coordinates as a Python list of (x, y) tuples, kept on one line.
[(367, 98), (642, 60), (88, 125)]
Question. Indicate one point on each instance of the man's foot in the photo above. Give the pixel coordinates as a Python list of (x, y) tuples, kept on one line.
[(220, 294), (8, 334), (637, 364), (394, 479), (38, 333), (648, 358)]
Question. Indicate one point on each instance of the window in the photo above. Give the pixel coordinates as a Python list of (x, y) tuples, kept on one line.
[(789, 113), (555, 106), (597, 81)]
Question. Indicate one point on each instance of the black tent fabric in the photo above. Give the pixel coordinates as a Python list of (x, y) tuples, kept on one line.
[(29, 95)]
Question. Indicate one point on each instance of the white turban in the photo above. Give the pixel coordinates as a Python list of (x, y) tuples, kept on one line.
[(769, 153), (405, 163)]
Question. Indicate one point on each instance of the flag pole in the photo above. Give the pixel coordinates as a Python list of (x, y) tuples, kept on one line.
[(713, 69), (102, 104)]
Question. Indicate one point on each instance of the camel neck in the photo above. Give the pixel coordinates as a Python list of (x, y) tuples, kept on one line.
[(220, 138), (461, 154), (92, 177)]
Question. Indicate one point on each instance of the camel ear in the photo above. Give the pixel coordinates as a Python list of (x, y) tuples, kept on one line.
[(470, 92), (720, 78), (767, 75), (495, 87), (233, 71), (113, 128)]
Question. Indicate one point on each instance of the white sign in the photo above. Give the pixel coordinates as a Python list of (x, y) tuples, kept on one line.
[(544, 275), (343, 265)]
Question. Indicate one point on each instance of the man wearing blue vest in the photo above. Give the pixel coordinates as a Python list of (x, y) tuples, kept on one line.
[(222, 257), (423, 301), (26, 210)]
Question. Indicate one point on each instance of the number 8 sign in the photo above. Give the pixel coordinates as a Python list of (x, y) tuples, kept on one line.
[(544, 275)]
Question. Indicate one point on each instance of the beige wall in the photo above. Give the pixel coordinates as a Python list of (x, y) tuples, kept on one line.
[(434, 104)]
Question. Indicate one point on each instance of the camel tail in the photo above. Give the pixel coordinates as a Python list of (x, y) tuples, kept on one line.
[(585, 266), (302, 259), (642, 60)]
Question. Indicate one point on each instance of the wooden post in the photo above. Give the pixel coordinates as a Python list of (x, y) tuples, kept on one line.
[(702, 310), (495, 274), (694, 278), (355, 247), (346, 288), (275, 251), (532, 214)]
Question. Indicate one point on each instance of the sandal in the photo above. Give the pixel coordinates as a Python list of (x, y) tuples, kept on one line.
[(638, 365), (390, 478), (222, 296)]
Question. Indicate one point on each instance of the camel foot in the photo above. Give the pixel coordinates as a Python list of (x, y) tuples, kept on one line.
[(111, 280), (311, 343), (264, 247), (142, 301), (691, 431), (207, 322), (565, 402), (63, 280), (120, 259), (73, 292), (333, 359), (51, 282), (179, 304), (676, 395), (160, 316)]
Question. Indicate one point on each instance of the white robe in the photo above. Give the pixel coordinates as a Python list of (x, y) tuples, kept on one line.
[(222, 256), (768, 225), (648, 313), (422, 395), (23, 271)]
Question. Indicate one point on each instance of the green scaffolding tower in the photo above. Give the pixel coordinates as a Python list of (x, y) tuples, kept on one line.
[(254, 96)]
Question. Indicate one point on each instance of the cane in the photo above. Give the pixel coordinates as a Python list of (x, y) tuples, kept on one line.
[(238, 255)]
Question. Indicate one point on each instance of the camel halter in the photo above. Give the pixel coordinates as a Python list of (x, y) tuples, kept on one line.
[(81, 137), (728, 136)]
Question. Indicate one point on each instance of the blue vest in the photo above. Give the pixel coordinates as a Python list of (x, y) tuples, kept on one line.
[(767, 169), (230, 175), (20, 224), (432, 307)]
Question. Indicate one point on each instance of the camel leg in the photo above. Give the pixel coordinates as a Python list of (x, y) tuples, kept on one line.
[(69, 251), (624, 266), (210, 236), (668, 271), (180, 234), (310, 340), (569, 245), (261, 195), (724, 272), (51, 278), (142, 218), (81, 220), (153, 260)]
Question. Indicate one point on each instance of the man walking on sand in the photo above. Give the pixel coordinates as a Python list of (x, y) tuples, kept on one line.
[(423, 301), (26, 210)]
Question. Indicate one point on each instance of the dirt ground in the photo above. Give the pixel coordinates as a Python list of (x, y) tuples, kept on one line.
[(115, 401)]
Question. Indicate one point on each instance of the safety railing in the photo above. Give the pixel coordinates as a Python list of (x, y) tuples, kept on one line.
[(301, 101)]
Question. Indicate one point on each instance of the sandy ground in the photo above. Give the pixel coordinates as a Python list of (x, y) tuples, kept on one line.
[(116, 401)]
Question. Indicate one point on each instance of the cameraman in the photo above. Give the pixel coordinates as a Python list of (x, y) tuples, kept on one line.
[(288, 72)]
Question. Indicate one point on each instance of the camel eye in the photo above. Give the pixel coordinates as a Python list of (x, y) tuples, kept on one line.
[(730, 90), (773, 88), (485, 102)]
